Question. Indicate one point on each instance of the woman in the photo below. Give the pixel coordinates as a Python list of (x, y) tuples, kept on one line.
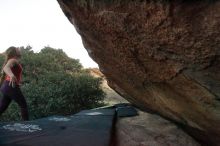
[(12, 71)]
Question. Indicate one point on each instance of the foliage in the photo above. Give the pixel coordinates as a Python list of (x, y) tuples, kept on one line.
[(54, 84)]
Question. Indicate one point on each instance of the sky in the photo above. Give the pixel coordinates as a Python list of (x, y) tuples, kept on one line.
[(40, 23)]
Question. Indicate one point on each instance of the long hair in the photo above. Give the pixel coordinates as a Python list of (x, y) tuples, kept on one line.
[(9, 53)]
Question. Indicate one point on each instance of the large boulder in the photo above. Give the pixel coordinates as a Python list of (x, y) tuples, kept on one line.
[(160, 55)]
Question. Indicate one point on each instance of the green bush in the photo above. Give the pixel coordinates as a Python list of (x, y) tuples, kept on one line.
[(63, 94), (56, 90)]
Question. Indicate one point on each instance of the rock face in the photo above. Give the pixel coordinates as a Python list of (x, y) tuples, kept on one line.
[(160, 55)]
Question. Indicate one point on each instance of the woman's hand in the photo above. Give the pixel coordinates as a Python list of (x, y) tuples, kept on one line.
[(8, 71), (13, 80)]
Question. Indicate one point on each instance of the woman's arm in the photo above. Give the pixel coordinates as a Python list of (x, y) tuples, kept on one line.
[(8, 71)]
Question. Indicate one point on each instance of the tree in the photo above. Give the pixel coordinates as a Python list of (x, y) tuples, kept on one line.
[(53, 83)]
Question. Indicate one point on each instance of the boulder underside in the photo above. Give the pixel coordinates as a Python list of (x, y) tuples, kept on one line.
[(159, 55)]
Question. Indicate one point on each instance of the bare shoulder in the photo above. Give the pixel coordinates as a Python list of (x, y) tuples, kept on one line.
[(12, 61)]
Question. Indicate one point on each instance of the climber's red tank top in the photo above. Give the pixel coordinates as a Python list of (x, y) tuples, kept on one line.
[(17, 71)]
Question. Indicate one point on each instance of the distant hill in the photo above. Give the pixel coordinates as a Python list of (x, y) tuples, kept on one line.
[(111, 96)]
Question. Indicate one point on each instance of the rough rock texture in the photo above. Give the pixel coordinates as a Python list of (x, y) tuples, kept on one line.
[(161, 55), (150, 130)]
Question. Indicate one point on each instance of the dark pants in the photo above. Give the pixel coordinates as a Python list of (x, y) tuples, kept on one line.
[(9, 94)]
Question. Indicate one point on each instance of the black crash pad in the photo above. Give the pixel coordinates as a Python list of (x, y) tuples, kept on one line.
[(76, 130), (86, 128), (125, 110)]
